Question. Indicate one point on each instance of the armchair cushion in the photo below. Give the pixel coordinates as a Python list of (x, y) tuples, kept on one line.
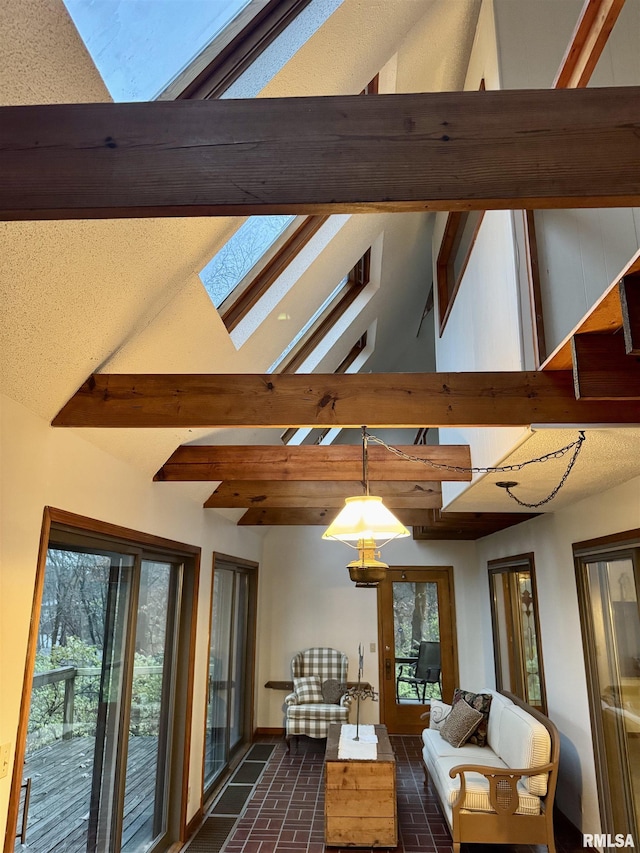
[(308, 689)]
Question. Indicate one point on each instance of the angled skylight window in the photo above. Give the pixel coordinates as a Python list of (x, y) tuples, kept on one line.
[(240, 254), (324, 318), (138, 46)]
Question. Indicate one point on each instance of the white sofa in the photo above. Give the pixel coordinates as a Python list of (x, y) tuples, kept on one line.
[(501, 793)]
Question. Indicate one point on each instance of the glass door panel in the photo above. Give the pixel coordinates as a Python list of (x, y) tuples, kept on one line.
[(238, 667), (418, 659), (613, 595), (218, 685), (152, 697)]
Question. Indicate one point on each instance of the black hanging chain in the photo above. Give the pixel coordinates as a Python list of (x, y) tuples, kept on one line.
[(576, 446)]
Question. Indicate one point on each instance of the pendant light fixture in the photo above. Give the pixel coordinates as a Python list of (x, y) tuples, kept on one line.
[(365, 521)]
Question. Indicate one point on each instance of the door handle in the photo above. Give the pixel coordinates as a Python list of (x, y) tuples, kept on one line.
[(387, 669)]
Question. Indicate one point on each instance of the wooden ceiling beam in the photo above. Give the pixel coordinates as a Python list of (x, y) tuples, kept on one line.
[(630, 308), (343, 400), (321, 493), (602, 370), (594, 26), (565, 148), (310, 462)]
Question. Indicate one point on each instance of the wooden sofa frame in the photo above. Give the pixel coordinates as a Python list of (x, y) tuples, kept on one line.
[(505, 826)]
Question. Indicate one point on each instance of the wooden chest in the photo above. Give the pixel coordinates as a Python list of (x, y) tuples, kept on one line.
[(360, 796)]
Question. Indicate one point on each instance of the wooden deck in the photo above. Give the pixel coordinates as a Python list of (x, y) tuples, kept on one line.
[(61, 791)]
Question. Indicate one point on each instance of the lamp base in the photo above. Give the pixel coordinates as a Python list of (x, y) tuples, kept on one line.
[(367, 576)]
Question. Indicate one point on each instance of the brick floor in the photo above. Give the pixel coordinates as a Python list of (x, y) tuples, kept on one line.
[(285, 814)]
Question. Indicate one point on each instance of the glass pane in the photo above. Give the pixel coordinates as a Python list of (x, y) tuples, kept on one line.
[(614, 607), (63, 718), (528, 638), (139, 46), (417, 642), (147, 756), (240, 254), (239, 660), (218, 693)]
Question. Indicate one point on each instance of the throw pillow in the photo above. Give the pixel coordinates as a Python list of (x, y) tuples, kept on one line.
[(333, 691), (481, 702), (439, 713), (461, 723), (308, 689)]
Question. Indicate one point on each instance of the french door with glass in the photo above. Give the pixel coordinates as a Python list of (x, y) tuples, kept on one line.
[(415, 606)]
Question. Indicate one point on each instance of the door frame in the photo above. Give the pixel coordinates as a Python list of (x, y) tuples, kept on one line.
[(448, 640), (112, 534)]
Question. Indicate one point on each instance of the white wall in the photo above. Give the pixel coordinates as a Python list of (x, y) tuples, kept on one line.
[(42, 467), (307, 599), (550, 538), (581, 252)]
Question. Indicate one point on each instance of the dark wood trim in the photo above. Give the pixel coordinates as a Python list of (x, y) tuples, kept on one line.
[(535, 288), (589, 38), (234, 50), (513, 564), (236, 306), (357, 281), (447, 280), (372, 87), (498, 398), (624, 539), (194, 823), (273, 731), (188, 693), (25, 699), (314, 155)]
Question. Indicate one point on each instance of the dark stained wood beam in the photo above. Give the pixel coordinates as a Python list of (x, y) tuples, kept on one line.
[(424, 521), (322, 493), (594, 26), (602, 370), (630, 308), (336, 400), (311, 462), (409, 152), (318, 516)]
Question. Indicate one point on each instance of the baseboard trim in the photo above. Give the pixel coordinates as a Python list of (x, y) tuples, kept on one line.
[(262, 730)]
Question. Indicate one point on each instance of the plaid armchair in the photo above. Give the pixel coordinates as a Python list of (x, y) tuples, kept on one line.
[(308, 711)]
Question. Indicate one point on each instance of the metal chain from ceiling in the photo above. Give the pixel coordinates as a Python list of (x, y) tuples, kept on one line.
[(576, 446)]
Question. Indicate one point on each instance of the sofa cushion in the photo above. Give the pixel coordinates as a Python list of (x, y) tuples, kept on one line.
[(498, 703), (461, 723), (436, 746), (308, 689), (438, 714), (525, 742), (477, 786), (480, 702)]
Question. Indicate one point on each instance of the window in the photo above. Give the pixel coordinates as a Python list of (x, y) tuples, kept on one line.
[(103, 725), (460, 234), (516, 629), (324, 318), (248, 264)]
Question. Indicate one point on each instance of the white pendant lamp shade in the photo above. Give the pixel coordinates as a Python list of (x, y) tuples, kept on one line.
[(365, 517)]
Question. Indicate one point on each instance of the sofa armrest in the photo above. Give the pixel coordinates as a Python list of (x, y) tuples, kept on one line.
[(291, 699), (503, 784)]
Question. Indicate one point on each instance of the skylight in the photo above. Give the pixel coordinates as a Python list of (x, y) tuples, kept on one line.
[(240, 254), (139, 46)]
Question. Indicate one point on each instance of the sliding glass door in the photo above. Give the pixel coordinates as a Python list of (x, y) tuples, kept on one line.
[(99, 742), (609, 589), (231, 654)]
